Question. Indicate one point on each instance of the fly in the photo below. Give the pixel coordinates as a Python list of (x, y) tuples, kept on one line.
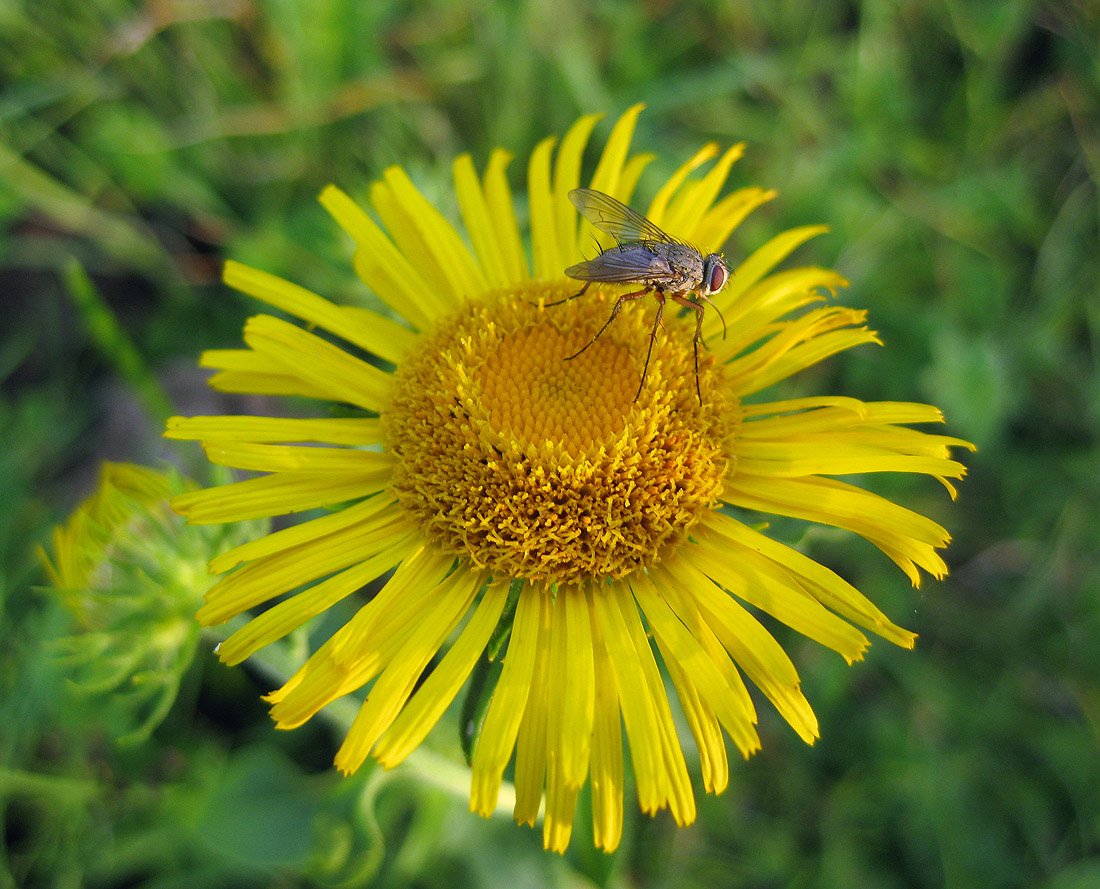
[(666, 267)]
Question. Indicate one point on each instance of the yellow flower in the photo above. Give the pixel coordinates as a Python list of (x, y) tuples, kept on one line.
[(125, 493), (484, 457)]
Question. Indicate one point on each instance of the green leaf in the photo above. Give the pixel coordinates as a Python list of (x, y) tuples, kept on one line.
[(261, 812)]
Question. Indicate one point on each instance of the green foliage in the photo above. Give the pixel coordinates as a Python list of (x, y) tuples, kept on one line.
[(952, 148)]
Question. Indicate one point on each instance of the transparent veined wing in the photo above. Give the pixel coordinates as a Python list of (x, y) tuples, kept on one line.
[(626, 265), (616, 218)]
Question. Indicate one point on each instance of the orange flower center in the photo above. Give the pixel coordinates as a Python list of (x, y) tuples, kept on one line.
[(542, 466)]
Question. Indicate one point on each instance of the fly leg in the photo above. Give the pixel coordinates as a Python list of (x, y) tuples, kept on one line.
[(558, 302), (698, 309), (652, 336), (637, 294)]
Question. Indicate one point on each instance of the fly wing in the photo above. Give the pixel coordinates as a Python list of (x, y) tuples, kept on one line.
[(625, 265), (616, 218)]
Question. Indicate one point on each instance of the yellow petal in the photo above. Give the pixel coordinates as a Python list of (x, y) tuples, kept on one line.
[(438, 690), (687, 610), (479, 222), (287, 616), (754, 579), (764, 259), (807, 354), (751, 646), (449, 602), (498, 734), (639, 714), (318, 677), (361, 327), (530, 770), (693, 661), (339, 668), (281, 494), (567, 176), (295, 535), (332, 430), (462, 274), (607, 750), (607, 177), (821, 412), (907, 537), (657, 212), (756, 312), (381, 265), (323, 679), (862, 421), (561, 803), (549, 262), (245, 370), (715, 228), (830, 589), (694, 200), (245, 360), (827, 455), (498, 196), (410, 581), (677, 782), (265, 384), (319, 363), (414, 248), (298, 458), (702, 722), (796, 343), (571, 688), (288, 569), (632, 172)]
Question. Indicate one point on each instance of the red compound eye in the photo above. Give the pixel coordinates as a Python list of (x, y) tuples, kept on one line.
[(718, 274)]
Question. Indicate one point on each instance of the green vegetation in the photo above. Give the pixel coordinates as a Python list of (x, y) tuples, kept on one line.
[(954, 151)]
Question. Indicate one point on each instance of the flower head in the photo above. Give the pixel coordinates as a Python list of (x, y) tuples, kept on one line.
[(485, 457), (130, 577)]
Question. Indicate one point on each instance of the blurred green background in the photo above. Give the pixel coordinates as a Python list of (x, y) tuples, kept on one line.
[(954, 150)]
